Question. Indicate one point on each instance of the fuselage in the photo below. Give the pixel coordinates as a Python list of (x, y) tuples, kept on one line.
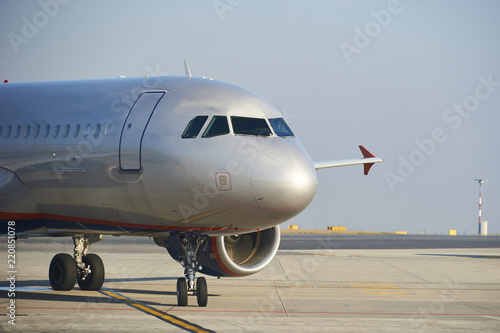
[(147, 156)]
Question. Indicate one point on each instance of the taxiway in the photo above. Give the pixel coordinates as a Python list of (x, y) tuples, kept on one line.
[(304, 290)]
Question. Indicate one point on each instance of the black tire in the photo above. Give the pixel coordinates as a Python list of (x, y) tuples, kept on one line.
[(62, 272), (201, 291), (182, 295), (95, 279)]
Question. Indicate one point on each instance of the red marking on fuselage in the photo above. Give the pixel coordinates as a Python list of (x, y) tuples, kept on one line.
[(74, 219)]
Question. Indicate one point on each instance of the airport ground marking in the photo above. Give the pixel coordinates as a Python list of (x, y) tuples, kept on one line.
[(176, 321)]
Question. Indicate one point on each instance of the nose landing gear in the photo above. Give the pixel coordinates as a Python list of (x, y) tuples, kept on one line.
[(190, 245)]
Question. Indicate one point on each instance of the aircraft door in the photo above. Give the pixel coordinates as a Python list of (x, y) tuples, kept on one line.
[(133, 130)]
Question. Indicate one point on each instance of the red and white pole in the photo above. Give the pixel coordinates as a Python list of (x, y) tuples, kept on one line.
[(480, 204), (480, 181)]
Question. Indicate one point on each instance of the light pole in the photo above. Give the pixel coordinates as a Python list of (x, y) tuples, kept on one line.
[(481, 182)]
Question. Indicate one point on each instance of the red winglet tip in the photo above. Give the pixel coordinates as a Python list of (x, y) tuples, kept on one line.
[(367, 168), (365, 152)]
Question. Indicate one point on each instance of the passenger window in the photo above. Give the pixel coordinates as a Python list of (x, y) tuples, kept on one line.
[(47, 131), (77, 130), (97, 130), (37, 131), (194, 127), (218, 126), (27, 131), (86, 131), (7, 131), (56, 130), (66, 130), (280, 127), (18, 131), (107, 128), (0, 130), (250, 126)]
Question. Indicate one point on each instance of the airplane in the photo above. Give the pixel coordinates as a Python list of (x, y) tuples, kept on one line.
[(206, 168)]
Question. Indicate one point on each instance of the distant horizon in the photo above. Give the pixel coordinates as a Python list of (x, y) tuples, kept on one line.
[(347, 231)]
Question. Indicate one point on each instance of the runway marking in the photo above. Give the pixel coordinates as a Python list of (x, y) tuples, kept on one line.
[(375, 288), (176, 321)]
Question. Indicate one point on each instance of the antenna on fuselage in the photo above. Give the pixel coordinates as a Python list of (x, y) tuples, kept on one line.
[(187, 70)]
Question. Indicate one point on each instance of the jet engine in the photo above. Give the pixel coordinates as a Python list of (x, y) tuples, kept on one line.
[(236, 255)]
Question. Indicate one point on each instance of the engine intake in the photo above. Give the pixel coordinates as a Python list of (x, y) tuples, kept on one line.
[(246, 254), (237, 255)]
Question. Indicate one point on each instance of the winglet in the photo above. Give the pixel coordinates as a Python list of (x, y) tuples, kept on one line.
[(366, 154), (187, 70), (368, 160)]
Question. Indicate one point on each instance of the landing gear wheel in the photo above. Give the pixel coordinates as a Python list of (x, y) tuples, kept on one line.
[(182, 296), (201, 291), (94, 279), (62, 272)]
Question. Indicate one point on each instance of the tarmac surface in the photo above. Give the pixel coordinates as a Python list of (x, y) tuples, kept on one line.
[(320, 285), (384, 241)]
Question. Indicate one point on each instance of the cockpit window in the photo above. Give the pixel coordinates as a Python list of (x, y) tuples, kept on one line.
[(280, 127), (250, 126), (218, 126), (194, 127)]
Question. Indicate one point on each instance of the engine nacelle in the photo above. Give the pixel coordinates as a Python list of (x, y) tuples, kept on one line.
[(237, 255)]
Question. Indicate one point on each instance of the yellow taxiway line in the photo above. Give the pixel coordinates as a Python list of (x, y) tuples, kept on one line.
[(176, 321)]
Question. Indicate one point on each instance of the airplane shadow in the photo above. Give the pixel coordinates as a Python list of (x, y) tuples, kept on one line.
[(45, 282), (53, 296), (150, 292), (69, 297), (141, 279), (28, 283), (42, 291), (144, 292)]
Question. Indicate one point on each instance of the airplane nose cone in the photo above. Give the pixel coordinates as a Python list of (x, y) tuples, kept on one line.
[(284, 183)]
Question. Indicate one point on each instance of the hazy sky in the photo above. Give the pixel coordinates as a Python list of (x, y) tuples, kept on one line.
[(416, 82)]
